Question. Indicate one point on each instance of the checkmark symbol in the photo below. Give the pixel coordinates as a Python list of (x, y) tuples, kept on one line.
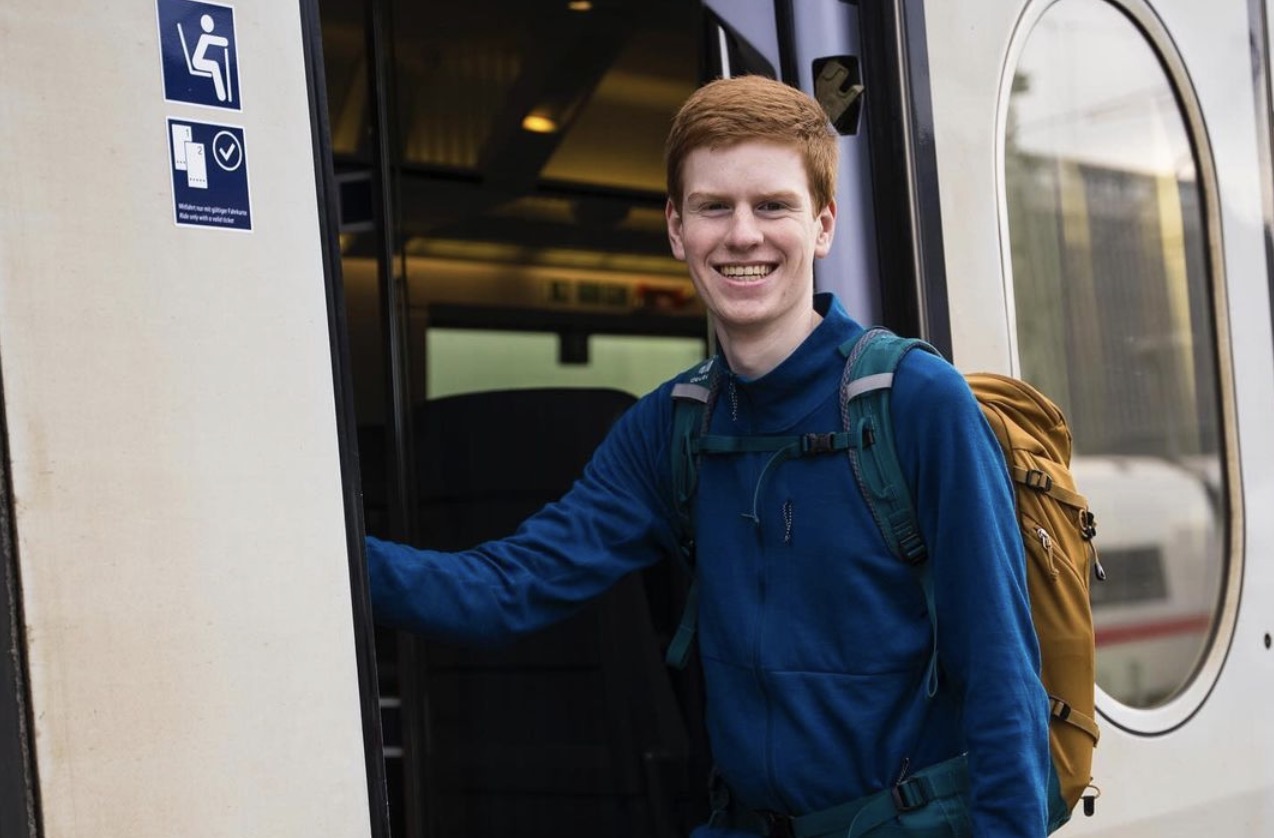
[(226, 153)]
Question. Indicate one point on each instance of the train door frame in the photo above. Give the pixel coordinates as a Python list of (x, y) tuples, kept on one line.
[(19, 789), (328, 195), (1261, 23), (906, 195)]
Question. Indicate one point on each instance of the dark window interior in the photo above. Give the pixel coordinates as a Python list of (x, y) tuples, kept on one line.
[(503, 171)]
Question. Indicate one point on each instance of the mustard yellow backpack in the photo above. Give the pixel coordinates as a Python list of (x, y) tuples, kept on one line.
[(1057, 532)]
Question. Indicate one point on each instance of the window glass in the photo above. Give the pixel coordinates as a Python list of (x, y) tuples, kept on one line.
[(471, 360), (1114, 315)]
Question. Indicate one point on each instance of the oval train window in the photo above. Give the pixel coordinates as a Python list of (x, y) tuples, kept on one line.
[(1115, 319)]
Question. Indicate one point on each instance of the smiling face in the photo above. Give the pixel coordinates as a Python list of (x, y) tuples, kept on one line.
[(748, 232)]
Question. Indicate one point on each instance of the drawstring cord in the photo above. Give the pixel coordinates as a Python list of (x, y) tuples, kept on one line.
[(781, 455)]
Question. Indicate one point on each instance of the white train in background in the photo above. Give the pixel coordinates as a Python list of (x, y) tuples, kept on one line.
[(240, 241), (1154, 613)]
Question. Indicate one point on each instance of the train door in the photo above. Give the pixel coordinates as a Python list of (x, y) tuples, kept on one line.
[(509, 291), (1090, 178)]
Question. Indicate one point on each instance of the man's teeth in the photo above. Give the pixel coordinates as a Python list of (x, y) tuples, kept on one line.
[(745, 270)]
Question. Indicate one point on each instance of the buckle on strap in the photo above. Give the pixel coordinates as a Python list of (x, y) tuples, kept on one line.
[(1087, 524), (912, 547), (1038, 480), (817, 444), (911, 794)]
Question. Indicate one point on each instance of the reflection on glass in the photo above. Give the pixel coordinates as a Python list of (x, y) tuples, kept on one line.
[(1115, 322), (469, 361)]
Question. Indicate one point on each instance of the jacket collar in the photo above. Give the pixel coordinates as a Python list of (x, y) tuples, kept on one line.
[(803, 381)]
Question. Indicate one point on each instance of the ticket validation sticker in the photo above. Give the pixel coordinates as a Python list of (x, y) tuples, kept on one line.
[(210, 175)]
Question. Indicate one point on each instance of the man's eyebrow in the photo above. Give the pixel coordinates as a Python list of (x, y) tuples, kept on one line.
[(704, 196), (786, 195)]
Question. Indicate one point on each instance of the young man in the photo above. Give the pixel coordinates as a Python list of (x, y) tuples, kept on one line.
[(814, 638)]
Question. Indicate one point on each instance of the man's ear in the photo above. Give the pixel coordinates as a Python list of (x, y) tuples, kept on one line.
[(674, 231), (826, 221)]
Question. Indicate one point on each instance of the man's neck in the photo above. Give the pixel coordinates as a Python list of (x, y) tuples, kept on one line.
[(752, 354)]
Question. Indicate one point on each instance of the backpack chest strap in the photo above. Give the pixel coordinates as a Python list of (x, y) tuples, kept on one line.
[(783, 448), (795, 445)]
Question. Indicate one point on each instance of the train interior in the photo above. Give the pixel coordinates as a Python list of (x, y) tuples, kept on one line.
[(506, 184)]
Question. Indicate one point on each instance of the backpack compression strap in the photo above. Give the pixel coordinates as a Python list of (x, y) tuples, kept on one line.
[(870, 363), (692, 396)]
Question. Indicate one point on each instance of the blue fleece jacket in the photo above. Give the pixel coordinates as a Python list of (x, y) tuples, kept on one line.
[(813, 637)]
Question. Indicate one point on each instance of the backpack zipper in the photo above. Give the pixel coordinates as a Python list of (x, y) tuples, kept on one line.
[(1099, 572), (1046, 542)]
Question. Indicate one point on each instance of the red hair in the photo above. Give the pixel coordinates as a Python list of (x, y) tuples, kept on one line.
[(730, 111)]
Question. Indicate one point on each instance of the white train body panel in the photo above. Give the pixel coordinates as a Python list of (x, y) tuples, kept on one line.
[(171, 429)]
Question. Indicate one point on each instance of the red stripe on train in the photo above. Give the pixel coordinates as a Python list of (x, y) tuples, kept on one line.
[(1194, 624)]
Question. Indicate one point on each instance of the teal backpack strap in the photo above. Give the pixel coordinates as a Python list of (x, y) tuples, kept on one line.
[(866, 385), (692, 396), (857, 818)]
